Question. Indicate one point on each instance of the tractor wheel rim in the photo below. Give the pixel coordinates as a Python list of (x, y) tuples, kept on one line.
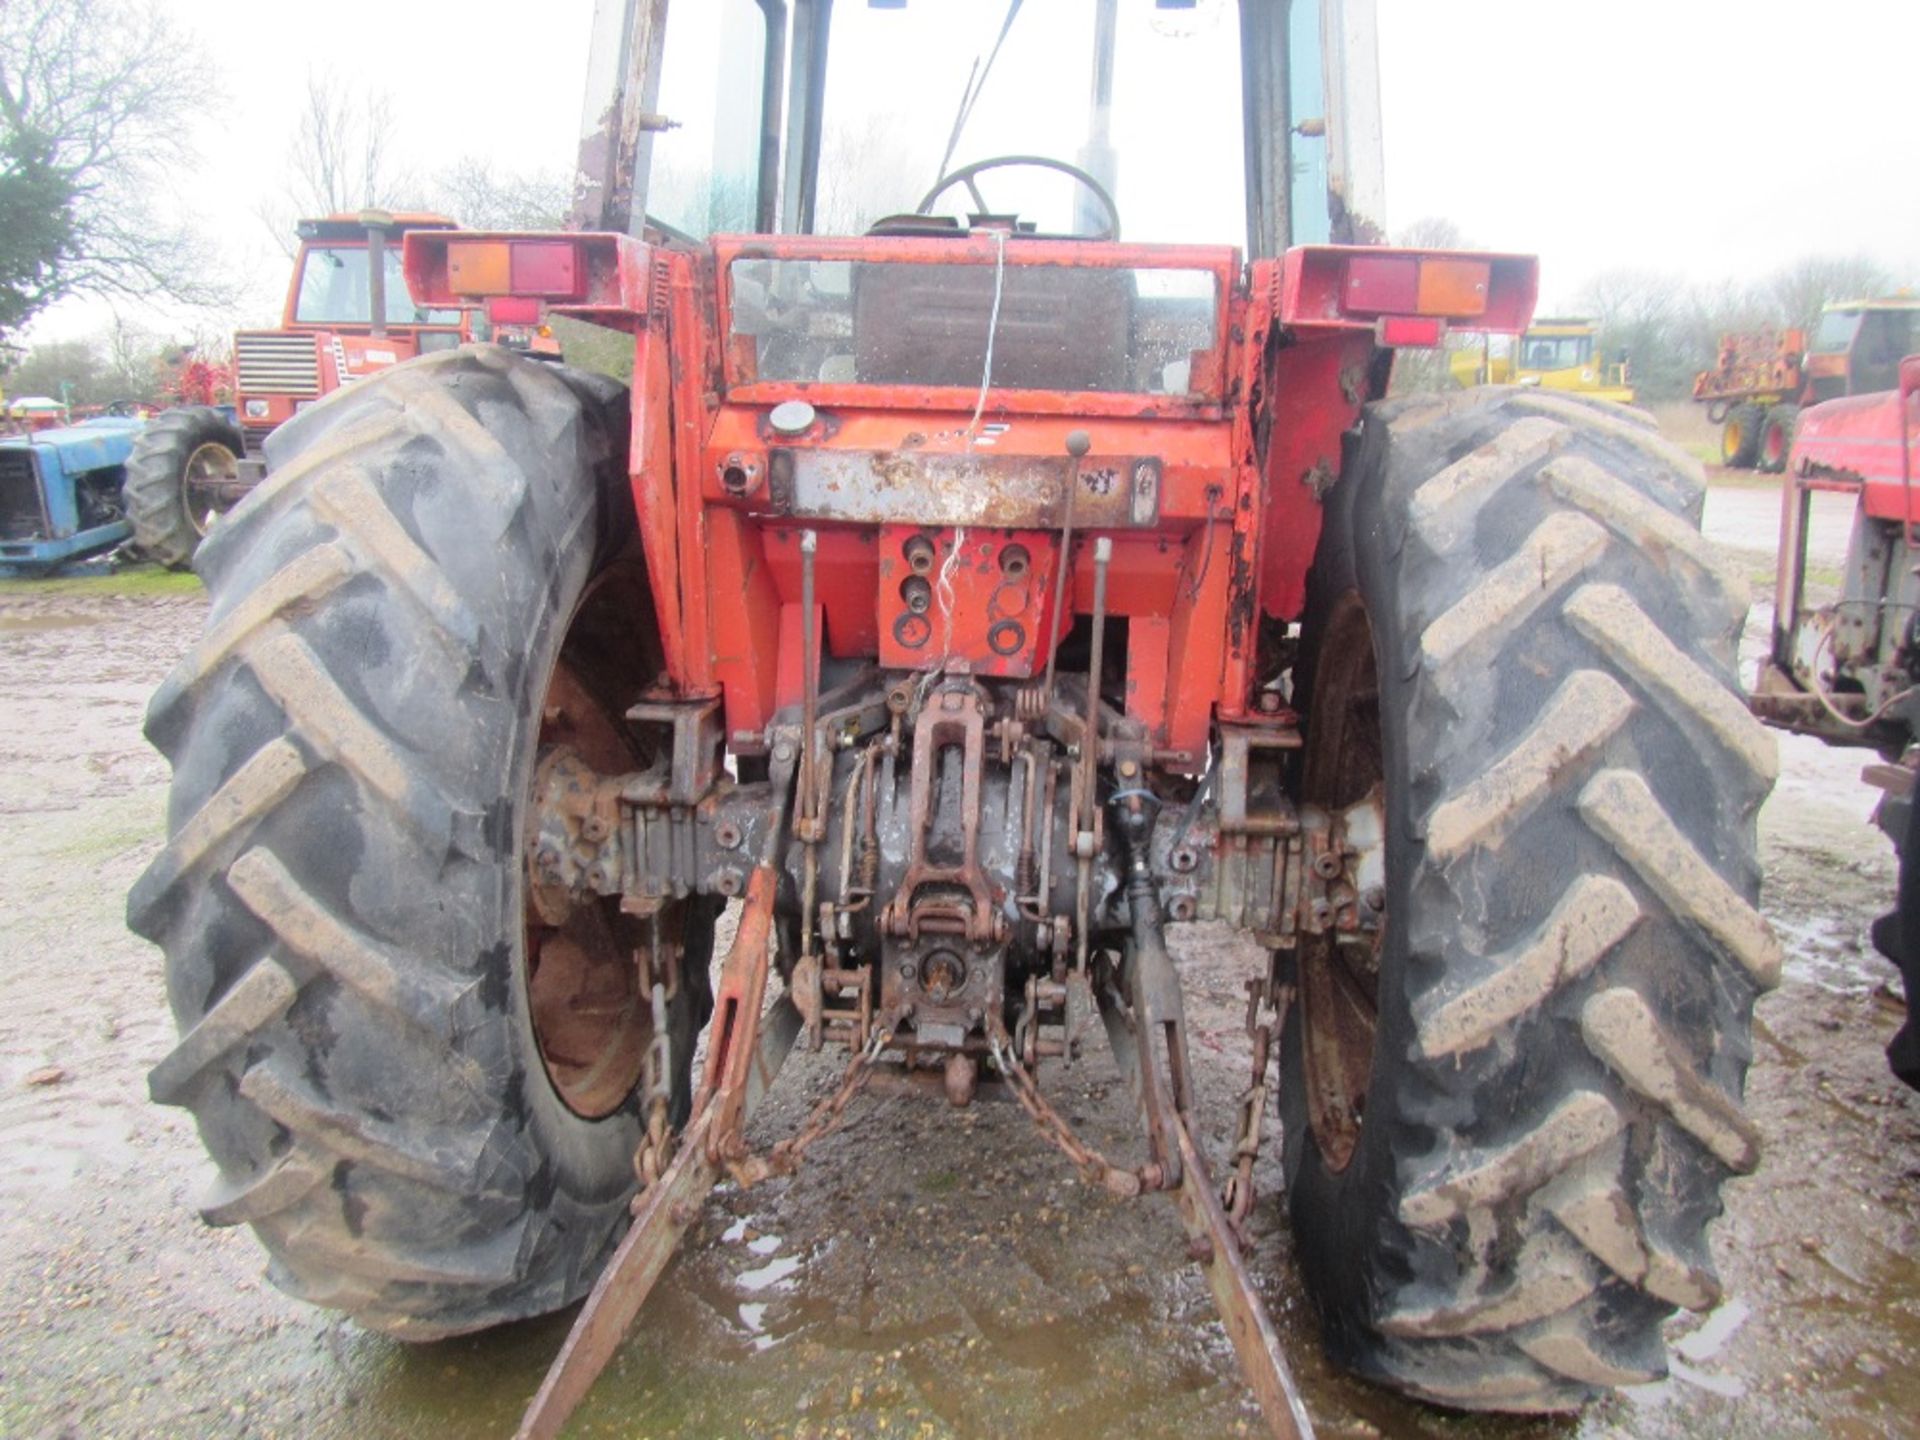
[(1339, 982), (591, 1019), (203, 480)]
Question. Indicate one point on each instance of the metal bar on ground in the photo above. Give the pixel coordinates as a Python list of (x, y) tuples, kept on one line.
[(1241, 1311), (668, 1209)]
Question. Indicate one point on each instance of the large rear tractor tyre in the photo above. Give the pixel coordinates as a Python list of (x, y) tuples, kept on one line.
[(1740, 437), (174, 486), (1507, 1123), (418, 1086), (1776, 439)]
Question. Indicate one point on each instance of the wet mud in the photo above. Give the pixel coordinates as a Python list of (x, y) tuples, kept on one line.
[(930, 1272)]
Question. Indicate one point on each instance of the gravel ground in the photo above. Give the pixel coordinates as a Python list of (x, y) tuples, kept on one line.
[(929, 1273)]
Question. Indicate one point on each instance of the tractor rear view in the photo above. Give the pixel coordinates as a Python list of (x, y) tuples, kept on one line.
[(970, 598)]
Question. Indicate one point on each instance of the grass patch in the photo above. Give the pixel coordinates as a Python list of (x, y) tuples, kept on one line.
[(940, 1182), (112, 839), (137, 583)]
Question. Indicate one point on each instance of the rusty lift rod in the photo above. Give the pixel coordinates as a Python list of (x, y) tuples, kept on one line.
[(1090, 751), (1078, 443), (810, 826)]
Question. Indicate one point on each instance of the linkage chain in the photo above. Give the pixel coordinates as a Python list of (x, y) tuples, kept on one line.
[(825, 1118), (656, 1097), (1094, 1167)]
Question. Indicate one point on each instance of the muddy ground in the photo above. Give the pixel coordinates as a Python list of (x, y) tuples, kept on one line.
[(929, 1273)]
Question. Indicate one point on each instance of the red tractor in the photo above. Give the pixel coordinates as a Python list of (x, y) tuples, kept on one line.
[(347, 315), (1848, 670), (967, 600)]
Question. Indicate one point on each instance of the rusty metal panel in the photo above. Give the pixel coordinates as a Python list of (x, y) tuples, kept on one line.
[(966, 488)]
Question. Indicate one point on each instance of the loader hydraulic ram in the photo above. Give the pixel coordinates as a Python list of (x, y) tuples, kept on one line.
[(969, 598)]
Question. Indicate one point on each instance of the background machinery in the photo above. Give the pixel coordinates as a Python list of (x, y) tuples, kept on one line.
[(60, 493), (1848, 669), (1561, 355), (993, 559), (347, 315), (1761, 379)]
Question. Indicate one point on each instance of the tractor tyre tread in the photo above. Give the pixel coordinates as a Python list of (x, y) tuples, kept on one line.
[(151, 493), (341, 849), (1564, 1034)]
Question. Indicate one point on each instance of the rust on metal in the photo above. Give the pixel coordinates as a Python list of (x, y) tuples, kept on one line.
[(743, 1058), (927, 488), (667, 1208), (1255, 1341)]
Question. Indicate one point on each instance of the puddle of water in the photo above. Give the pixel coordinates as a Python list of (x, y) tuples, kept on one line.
[(1705, 1343), (1827, 952), (754, 1317), (1728, 1387), (772, 1273)]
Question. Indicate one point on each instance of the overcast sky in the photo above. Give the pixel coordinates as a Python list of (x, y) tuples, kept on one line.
[(1714, 138)]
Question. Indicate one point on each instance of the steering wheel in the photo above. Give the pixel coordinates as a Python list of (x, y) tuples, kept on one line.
[(964, 176)]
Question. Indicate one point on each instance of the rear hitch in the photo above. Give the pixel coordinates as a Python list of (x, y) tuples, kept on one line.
[(943, 911)]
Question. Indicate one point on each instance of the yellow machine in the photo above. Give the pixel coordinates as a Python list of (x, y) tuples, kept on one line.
[(1553, 354)]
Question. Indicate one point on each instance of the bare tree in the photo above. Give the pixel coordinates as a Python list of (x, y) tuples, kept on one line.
[(1654, 319), (1798, 292), (482, 197), (94, 99), (1432, 232), (341, 158)]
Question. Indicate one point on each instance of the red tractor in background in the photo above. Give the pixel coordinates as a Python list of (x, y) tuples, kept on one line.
[(1762, 379), (1848, 671), (347, 315), (968, 594)]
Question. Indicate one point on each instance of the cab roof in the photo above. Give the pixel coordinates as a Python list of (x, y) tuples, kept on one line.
[(354, 226), (1885, 302)]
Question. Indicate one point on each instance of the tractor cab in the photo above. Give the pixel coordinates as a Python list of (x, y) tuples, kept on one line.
[(1554, 354), (1858, 346), (330, 331), (918, 283)]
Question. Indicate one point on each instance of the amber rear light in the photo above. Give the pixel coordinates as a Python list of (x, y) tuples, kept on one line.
[(485, 268), (1454, 288)]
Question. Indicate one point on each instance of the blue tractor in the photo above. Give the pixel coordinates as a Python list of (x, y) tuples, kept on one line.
[(60, 493), (65, 495)]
